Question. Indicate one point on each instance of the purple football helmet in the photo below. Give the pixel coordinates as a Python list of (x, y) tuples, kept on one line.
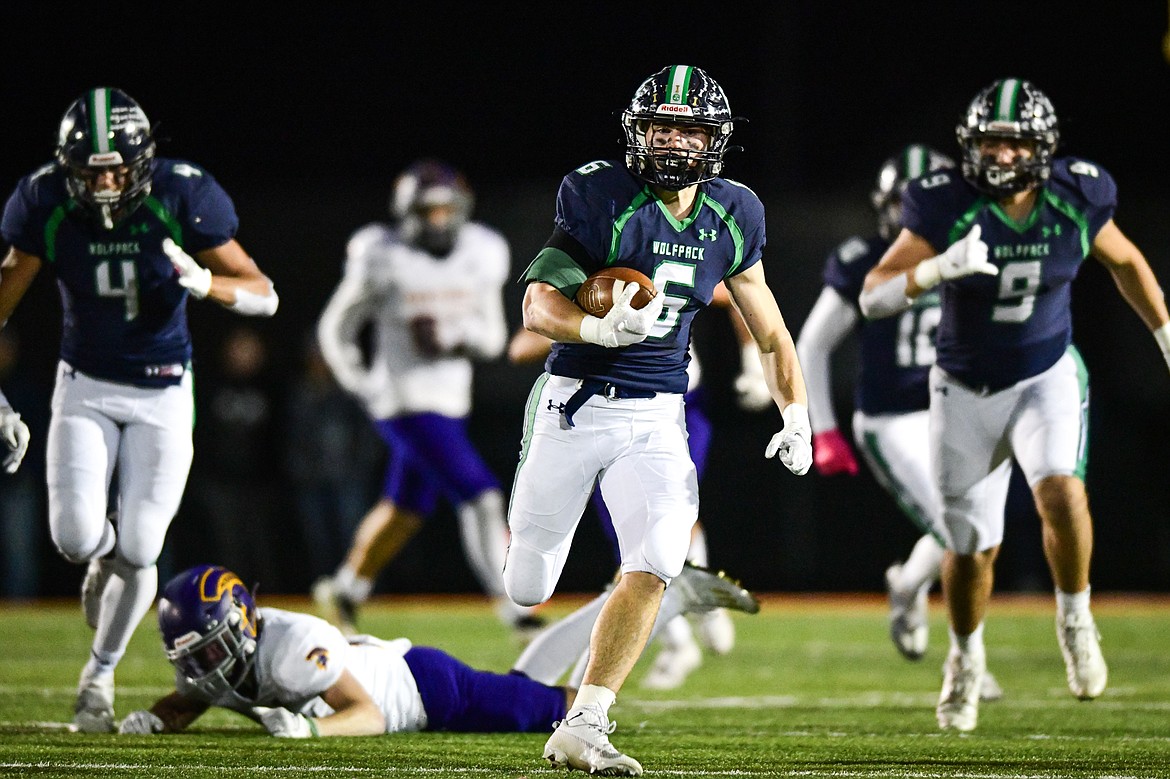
[(210, 625)]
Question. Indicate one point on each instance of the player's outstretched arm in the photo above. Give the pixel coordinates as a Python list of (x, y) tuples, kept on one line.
[(227, 275), (354, 714), (910, 267), (831, 319), (170, 714), (1135, 280), (756, 304)]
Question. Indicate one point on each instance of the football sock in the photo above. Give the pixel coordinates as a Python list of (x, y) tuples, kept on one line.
[(128, 595), (1072, 603), (922, 566), (596, 695), (676, 633), (554, 649), (971, 644)]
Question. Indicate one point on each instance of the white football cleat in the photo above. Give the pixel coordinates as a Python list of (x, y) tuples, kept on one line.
[(704, 590), (581, 741), (672, 665), (958, 703), (334, 606), (92, 587), (716, 631), (909, 629), (1083, 662), (990, 690), (93, 711)]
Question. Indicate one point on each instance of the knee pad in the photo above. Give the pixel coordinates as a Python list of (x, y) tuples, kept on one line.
[(664, 548), (967, 531), (529, 576), (75, 550)]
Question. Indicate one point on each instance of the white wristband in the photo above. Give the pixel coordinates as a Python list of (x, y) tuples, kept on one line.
[(886, 299), (795, 416), (927, 273), (250, 304), (591, 330), (1162, 337)]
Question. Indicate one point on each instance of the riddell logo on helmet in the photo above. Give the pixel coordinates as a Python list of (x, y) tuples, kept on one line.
[(106, 158), (681, 110)]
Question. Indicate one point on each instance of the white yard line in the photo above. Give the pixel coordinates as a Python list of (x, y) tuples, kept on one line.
[(253, 770)]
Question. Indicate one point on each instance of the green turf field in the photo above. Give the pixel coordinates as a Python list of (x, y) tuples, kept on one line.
[(813, 688)]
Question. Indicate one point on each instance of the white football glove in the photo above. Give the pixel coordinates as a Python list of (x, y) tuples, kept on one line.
[(14, 436), (192, 275), (750, 385), (964, 257), (793, 444), (282, 723), (623, 325), (141, 723)]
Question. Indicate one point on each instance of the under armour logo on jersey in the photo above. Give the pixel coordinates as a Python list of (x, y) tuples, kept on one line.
[(707, 235), (1047, 231), (557, 407), (141, 229), (942, 390)]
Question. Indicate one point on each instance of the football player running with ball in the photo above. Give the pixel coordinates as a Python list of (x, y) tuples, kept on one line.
[(1003, 242), (129, 238), (609, 406)]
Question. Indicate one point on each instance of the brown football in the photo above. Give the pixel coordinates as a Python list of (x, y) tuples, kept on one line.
[(595, 295)]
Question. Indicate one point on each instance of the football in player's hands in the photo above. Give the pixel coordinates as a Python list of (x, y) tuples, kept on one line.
[(596, 294)]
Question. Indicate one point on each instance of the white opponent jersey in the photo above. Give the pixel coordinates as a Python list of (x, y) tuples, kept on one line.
[(391, 283), (299, 656)]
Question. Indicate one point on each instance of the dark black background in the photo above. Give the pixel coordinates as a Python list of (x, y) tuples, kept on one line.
[(305, 112)]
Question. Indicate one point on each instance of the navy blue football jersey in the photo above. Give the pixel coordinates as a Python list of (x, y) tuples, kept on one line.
[(998, 330), (125, 314), (896, 351), (619, 220)]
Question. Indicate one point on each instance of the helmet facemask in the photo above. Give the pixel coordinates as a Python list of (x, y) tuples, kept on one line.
[(106, 131), (1011, 110), (217, 662), (679, 96)]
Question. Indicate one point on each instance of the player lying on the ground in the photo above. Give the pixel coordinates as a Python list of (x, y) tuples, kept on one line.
[(300, 677)]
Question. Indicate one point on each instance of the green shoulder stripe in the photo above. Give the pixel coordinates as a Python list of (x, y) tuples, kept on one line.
[(964, 222), (619, 224), (734, 229), (166, 217), (51, 227), (1078, 217)]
